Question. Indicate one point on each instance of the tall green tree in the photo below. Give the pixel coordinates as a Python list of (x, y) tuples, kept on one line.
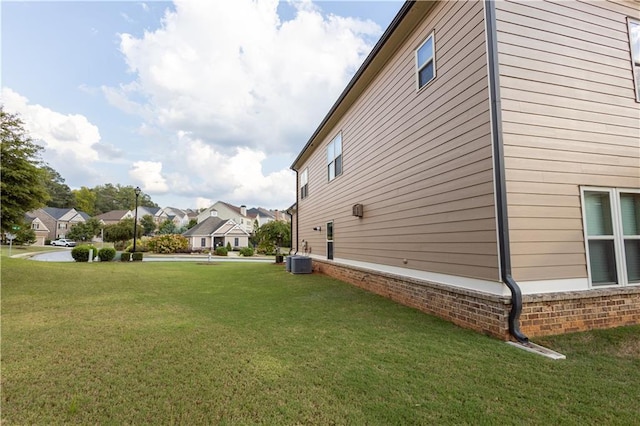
[(273, 234), (85, 200), (85, 231), (121, 232), (59, 193), (167, 227), (148, 224), (21, 179), (117, 197)]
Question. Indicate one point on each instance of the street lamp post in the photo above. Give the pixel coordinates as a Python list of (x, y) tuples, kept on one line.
[(135, 219)]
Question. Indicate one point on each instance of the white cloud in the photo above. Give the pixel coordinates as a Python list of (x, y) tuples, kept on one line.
[(70, 136), (199, 169), (233, 74), (149, 174), (235, 84), (203, 203), (71, 143)]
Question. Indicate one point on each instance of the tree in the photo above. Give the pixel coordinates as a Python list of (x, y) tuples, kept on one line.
[(21, 180), (85, 231), (59, 193), (85, 200), (253, 239), (121, 232), (273, 234), (110, 197), (25, 235), (148, 224), (192, 223), (167, 227)]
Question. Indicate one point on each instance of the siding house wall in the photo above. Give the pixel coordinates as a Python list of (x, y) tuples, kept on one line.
[(569, 119), (419, 161)]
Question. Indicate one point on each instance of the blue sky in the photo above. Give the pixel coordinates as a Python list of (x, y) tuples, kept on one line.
[(194, 101)]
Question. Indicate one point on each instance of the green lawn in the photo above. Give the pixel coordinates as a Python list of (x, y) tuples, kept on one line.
[(238, 343)]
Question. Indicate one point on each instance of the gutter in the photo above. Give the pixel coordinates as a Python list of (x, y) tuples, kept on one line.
[(499, 172)]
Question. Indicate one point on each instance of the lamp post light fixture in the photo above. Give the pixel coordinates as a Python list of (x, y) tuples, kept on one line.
[(135, 220)]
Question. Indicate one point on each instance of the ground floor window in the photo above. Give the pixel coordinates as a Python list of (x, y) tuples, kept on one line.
[(612, 235), (236, 242), (203, 242)]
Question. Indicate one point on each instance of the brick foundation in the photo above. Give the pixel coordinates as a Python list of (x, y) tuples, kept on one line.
[(486, 313), (482, 312), (559, 313)]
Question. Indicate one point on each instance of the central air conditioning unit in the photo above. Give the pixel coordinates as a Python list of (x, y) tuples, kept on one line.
[(301, 265), (358, 210)]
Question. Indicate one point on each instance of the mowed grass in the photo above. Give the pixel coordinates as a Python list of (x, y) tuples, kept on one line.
[(241, 343)]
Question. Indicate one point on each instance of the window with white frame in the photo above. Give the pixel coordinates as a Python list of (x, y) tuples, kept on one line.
[(203, 242), (304, 183), (612, 235), (426, 62), (334, 157), (236, 242), (634, 41)]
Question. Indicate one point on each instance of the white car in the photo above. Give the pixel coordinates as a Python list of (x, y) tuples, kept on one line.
[(63, 242)]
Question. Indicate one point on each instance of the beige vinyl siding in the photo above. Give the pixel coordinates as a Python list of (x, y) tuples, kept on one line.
[(419, 161), (569, 118)]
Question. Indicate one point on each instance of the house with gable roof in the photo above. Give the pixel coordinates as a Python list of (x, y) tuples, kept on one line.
[(58, 221), (178, 216), (157, 213), (228, 211), (213, 232), (483, 165), (114, 216), (39, 228)]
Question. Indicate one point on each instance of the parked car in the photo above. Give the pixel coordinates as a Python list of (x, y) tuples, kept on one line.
[(63, 242)]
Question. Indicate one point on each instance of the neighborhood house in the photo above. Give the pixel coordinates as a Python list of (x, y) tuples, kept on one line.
[(483, 165)]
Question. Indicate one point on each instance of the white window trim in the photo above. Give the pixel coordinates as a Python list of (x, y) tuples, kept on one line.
[(335, 138), (635, 62), (618, 234), (433, 59), (304, 181)]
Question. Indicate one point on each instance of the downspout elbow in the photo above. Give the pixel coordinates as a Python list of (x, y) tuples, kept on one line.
[(516, 309)]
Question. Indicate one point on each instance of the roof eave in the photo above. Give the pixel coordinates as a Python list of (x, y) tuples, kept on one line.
[(406, 7)]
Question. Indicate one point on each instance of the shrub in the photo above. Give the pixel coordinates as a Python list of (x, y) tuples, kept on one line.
[(81, 253), (125, 256), (106, 254), (246, 251), (168, 243), (221, 251), (136, 256), (228, 246), (47, 242), (142, 244)]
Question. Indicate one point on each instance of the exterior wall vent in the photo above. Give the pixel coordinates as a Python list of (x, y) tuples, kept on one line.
[(358, 210)]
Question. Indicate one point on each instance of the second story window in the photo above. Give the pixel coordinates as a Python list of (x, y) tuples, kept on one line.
[(426, 62), (304, 183), (634, 41), (334, 157)]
